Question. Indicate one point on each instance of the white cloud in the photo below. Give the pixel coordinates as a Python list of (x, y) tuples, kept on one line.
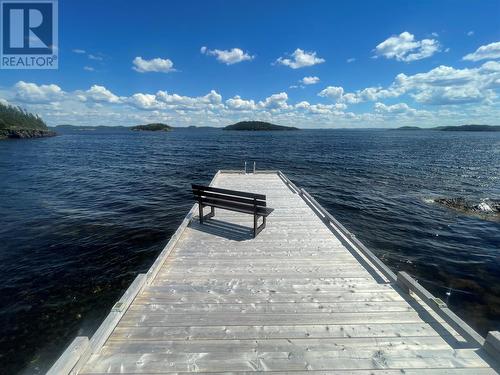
[(395, 108), (310, 80), (228, 57), (445, 95), (95, 57), (100, 94), (89, 69), (302, 105), (442, 85), (239, 104), (186, 102), (351, 60), (154, 65), (366, 94), (489, 51), (470, 33), (321, 109), (332, 92), (404, 47), (33, 93), (145, 101), (445, 85), (300, 59), (275, 101), (450, 95), (164, 100), (79, 51)]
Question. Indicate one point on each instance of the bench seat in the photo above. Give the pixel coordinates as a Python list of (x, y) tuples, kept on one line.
[(232, 200)]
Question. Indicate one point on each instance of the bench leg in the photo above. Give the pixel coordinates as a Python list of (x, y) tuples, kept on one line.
[(257, 229), (255, 218), (200, 214), (207, 216), (211, 214)]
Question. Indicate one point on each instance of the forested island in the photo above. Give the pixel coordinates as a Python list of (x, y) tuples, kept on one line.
[(461, 128), (18, 123), (155, 127), (258, 126)]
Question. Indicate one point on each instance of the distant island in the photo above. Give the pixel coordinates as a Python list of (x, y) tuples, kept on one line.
[(155, 127), (461, 128), (407, 128), (258, 126), (66, 128), (18, 123)]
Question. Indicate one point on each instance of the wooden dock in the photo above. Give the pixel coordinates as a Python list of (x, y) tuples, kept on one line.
[(305, 295)]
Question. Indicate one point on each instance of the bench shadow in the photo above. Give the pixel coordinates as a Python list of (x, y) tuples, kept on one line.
[(230, 231)]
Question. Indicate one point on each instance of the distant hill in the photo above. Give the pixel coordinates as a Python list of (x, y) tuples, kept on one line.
[(407, 128), (99, 128), (152, 127), (18, 123), (461, 128), (471, 128), (258, 126)]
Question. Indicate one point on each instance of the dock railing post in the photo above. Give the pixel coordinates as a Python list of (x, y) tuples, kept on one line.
[(253, 167), (245, 171)]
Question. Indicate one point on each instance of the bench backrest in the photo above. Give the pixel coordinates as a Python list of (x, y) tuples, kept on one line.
[(211, 193)]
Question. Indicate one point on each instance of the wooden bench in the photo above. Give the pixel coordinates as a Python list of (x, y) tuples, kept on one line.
[(232, 200)]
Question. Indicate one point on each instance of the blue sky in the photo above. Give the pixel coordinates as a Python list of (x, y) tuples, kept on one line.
[(302, 63)]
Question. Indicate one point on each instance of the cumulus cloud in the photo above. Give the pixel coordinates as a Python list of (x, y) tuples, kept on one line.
[(470, 33), (310, 80), (350, 60), (404, 47), (228, 57), (275, 101), (32, 93), (367, 94), (300, 59), (443, 85), (446, 95), (490, 51), (164, 100), (99, 94), (145, 101), (79, 51), (239, 104), (332, 92), (447, 85), (154, 65), (321, 109), (395, 108)]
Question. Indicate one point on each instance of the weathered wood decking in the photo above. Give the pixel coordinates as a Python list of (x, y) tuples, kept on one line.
[(294, 299)]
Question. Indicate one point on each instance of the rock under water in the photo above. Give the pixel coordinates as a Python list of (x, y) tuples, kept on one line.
[(487, 207)]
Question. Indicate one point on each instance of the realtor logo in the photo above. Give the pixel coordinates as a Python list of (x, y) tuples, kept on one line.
[(28, 34)]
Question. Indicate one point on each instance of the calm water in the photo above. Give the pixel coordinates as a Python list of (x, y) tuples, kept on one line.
[(82, 214)]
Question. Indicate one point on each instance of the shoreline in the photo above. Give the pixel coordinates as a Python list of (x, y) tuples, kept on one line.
[(25, 133)]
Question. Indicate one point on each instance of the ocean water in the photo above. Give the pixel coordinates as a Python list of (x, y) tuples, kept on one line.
[(83, 213)]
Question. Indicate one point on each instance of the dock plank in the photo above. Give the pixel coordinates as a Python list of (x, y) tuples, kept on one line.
[(293, 300)]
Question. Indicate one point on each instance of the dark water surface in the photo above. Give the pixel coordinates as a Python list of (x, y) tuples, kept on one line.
[(82, 214)]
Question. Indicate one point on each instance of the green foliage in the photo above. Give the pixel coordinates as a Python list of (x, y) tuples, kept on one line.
[(12, 117), (152, 127), (472, 128), (257, 126)]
